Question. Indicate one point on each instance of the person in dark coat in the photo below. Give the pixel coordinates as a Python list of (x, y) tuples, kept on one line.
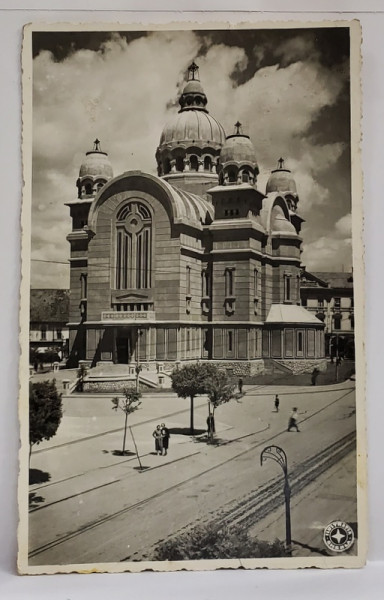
[(277, 403), (158, 440), (315, 374), (165, 435), (240, 384)]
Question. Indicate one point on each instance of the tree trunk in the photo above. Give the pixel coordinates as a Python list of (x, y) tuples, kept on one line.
[(125, 431), (192, 429)]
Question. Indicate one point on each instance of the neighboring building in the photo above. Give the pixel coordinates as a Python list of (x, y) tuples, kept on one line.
[(195, 263), (49, 312), (329, 296)]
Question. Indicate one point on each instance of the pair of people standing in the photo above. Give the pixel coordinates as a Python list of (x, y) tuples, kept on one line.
[(161, 435)]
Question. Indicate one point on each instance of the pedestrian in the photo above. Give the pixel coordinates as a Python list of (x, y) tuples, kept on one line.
[(240, 384), (158, 440), (277, 403), (165, 435), (293, 420), (315, 374)]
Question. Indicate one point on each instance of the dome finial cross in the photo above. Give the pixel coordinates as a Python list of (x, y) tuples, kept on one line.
[(238, 127), (96, 145), (280, 162), (193, 71)]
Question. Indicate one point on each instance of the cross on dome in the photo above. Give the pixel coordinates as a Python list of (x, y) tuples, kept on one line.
[(193, 72), (96, 145), (238, 127), (280, 162)]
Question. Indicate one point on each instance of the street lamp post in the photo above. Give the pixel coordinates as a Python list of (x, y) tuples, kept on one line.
[(138, 367), (278, 455)]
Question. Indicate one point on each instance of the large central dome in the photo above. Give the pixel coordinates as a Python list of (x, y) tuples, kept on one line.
[(191, 141), (193, 126)]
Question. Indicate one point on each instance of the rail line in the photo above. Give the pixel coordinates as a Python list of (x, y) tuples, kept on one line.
[(100, 521), (257, 505)]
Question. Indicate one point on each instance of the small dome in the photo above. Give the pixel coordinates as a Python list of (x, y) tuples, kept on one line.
[(96, 164), (193, 126), (239, 149), (193, 87), (281, 180)]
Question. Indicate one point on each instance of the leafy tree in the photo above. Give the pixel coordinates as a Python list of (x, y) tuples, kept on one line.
[(214, 541), (220, 390), (129, 404), (190, 381), (45, 412)]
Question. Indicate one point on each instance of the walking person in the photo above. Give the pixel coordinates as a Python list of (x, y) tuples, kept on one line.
[(240, 384), (158, 440), (277, 403), (293, 420), (165, 435)]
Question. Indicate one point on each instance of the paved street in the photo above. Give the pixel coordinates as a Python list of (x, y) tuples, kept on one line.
[(96, 506)]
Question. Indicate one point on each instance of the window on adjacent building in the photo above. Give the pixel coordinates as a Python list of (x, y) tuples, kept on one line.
[(320, 302), (229, 282), (43, 331), (59, 334), (337, 302), (304, 302), (337, 323), (133, 247)]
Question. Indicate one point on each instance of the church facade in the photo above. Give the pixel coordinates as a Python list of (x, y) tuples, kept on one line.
[(195, 263)]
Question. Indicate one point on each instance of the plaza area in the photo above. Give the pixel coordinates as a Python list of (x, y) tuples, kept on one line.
[(90, 504)]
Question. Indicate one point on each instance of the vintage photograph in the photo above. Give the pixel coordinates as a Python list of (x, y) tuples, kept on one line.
[(192, 369)]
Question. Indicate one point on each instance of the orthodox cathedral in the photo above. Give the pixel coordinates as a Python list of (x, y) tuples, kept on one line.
[(195, 263)]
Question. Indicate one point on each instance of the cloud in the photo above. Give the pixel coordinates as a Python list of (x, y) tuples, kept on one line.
[(122, 94), (344, 225)]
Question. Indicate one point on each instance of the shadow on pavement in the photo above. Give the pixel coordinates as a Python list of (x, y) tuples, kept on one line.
[(121, 453), (185, 431), (34, 500), (37, 476)]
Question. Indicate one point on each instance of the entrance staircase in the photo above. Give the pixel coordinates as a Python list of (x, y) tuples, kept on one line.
[(119, 375)]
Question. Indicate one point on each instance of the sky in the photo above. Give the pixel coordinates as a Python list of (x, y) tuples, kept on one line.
[(289, 88)]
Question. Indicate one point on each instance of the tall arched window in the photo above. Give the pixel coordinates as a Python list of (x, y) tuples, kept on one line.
[(133, 247), (194, 163), (179, 163), (207, 163)]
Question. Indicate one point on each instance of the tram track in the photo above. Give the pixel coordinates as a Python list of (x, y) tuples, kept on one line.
[(257, 505), (106, 518)]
